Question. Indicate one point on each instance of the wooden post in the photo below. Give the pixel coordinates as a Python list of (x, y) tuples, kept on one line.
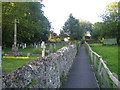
[(95, 61), (105, 81), (99, 68), (104, 78), (115, 75), (91, 57), (88, 49)]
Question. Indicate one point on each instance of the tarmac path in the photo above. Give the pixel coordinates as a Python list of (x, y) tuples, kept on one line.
[(81, 74)]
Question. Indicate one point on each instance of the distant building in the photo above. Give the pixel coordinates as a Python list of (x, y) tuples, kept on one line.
[(86, 36), (67, 39)]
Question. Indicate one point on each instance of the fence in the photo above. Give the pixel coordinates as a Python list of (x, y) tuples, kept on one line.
[(106, 78)]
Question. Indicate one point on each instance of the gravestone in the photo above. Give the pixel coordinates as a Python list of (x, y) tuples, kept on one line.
[(14, 51), (20, 45), (25, 45), (31, 45), (39, 44), (14, 48), (43, 48), (17, 45), (28, 54), (36, 46)]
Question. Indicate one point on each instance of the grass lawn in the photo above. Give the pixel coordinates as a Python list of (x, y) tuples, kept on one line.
[(109, 54), (11, 63)]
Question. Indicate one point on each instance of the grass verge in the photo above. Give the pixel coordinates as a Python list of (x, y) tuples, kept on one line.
[(109, 54)]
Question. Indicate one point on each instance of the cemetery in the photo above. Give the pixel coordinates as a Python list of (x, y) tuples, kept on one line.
[(9, 62), (82, 55)]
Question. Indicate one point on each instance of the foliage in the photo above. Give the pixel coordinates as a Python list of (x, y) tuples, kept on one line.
[(33, 25), (71, 29), (85, 26), (97, 30), (63, 78), (109, 27), (75, 28)]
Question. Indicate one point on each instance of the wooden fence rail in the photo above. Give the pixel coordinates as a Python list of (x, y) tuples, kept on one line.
[(102, 72)]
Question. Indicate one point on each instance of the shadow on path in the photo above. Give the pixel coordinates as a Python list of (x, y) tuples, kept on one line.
[(81, 74)]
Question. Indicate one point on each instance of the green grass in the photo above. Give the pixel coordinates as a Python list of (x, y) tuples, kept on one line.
[(10, 64), (109, 54)]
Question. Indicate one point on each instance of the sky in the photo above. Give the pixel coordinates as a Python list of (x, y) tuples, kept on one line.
[(58, 11)]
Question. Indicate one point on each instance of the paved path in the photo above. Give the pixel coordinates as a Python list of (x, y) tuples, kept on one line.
[(81, 74)]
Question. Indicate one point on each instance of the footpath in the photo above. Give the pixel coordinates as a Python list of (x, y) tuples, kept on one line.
[(81, 74)]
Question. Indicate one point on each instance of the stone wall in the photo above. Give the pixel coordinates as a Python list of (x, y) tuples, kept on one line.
[(42, 72)]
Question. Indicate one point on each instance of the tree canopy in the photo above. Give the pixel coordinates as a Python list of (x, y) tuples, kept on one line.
[(33, 25), (75, 28), (109, 27)]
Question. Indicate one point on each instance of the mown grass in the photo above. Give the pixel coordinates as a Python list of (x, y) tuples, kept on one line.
[(109, 54), (10, 64)]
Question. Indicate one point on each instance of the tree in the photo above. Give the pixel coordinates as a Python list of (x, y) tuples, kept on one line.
[(71, 29), (110, 19), (97, 32), (33, 26), (85, 26)]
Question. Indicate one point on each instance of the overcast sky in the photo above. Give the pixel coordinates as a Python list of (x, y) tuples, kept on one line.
[(58, 11)]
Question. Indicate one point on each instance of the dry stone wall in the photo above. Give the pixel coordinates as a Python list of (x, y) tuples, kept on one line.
[(42, 72)]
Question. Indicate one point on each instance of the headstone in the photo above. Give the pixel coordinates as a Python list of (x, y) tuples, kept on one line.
[(31, 45), (25, 45), (36, 46), (14, 49), (28, 54), (43, 48), (38, 43), (17, 45), (50, 49), (20, 45)]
